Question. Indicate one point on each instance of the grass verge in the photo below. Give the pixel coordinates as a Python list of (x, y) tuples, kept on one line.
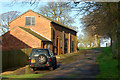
[(108, 66), (23, 73), (81, 48), (23, 76), (69, 58)]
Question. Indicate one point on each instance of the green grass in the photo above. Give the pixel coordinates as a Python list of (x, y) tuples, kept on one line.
[(82, 48), (108, 66), (23, 76), (85, 48), (27, 74)]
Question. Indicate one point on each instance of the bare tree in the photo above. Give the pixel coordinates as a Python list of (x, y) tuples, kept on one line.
[(6, 18), (58, 11)]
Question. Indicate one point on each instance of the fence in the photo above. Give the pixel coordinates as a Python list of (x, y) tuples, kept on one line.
[(15, 58)]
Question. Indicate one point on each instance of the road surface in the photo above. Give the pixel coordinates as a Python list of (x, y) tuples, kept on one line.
[(85, 67)]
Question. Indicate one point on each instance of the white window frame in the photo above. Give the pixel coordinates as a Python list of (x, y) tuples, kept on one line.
[(31, 21)]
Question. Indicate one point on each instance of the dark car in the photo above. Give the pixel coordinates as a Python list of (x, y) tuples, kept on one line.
[(42, 58)]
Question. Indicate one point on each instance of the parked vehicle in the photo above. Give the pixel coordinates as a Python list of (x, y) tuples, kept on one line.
[(42, 58)]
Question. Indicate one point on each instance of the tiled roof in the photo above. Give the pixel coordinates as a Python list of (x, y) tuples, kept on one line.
[(35, 34)]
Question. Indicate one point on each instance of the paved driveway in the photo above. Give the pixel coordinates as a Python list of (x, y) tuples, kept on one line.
[(85, 67)]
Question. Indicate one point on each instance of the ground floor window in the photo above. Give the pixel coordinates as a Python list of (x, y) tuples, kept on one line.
[(66, 45), (72, 46)]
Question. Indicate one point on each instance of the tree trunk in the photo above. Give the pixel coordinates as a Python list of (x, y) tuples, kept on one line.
[(96, 41), (93, 44), (90, 43), (118, 34)]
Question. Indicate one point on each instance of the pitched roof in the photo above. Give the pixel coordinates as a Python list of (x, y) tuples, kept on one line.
[(51, 20), (34, 34)]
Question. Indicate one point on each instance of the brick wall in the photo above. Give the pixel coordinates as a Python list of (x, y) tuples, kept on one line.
[(59, 30), (26, 37), (42, 25), (19, 39), (9, 42)]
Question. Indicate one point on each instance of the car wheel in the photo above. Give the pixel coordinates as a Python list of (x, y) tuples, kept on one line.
[(42, 59), (51, 68)]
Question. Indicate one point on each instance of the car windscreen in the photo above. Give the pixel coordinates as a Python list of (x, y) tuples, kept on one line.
[(38, 52)]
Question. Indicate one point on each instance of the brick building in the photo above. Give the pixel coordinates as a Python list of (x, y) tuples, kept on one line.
[(32, 30)]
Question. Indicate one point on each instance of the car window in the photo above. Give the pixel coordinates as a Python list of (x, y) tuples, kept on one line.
[(37, 52), (51, 53)]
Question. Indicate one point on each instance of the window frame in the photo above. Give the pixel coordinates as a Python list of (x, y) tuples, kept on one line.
[(31, 19)]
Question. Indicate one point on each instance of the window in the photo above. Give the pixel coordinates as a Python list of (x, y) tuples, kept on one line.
[(30, 20), (66, 45), (37, 52), (48, 46), (53, 38), (51, 53), (72, 46)]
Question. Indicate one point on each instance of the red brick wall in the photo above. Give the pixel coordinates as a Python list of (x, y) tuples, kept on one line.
[(26, 37), (19, 39), (59, 32), (9, 42), (42, 25)]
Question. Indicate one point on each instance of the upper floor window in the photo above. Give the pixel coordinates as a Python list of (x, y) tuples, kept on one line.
[(30, 21)]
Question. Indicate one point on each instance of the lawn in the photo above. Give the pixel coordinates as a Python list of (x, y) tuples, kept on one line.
[(108, 66)]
